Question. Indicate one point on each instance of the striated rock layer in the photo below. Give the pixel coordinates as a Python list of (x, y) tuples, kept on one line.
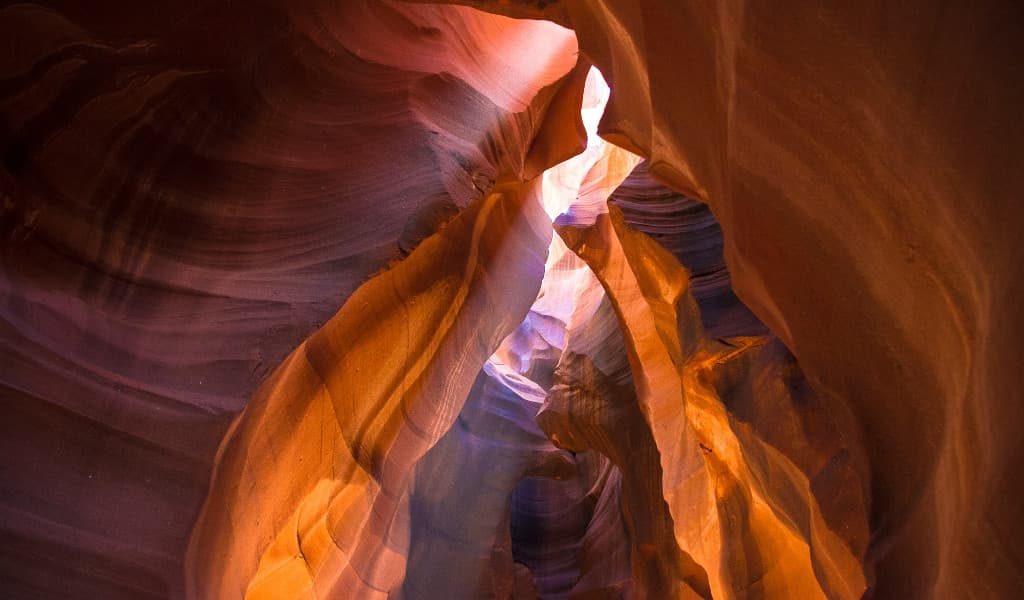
[(188, 191), (352, 472), (539, 400), (861, 160), (312, 481)]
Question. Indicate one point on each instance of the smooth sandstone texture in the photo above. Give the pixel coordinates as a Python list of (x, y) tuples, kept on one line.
[(741, 509), (862, 160), (310, 495), (317, 488), (190, 190)]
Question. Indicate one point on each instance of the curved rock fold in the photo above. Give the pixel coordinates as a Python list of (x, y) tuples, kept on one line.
[(582, 299)]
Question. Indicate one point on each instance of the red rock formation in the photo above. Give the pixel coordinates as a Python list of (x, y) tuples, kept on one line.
[(839, 149), (190, 191)]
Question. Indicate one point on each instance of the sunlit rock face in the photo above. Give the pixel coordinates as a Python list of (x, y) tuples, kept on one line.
[(687, 228), (732, 315), (187, 193), (860, 161)]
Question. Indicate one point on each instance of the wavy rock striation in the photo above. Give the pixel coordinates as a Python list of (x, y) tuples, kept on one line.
[(859, 160), (800, 383), (190, 190)]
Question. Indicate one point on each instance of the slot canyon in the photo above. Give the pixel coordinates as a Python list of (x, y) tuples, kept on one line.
[(515, 299)]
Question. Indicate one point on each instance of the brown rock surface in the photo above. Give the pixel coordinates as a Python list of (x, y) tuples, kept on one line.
[(188, 191), (824, 402), (861, 160)]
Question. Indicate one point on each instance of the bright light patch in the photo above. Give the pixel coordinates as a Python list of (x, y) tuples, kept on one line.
[(573, 192)]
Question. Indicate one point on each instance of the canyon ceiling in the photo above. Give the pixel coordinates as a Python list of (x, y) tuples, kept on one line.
[(557, 299)]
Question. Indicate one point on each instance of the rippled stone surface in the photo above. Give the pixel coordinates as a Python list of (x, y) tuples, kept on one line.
[(824, 402), (188, 191)]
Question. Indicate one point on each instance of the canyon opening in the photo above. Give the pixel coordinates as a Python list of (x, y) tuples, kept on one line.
[(582, 299)]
